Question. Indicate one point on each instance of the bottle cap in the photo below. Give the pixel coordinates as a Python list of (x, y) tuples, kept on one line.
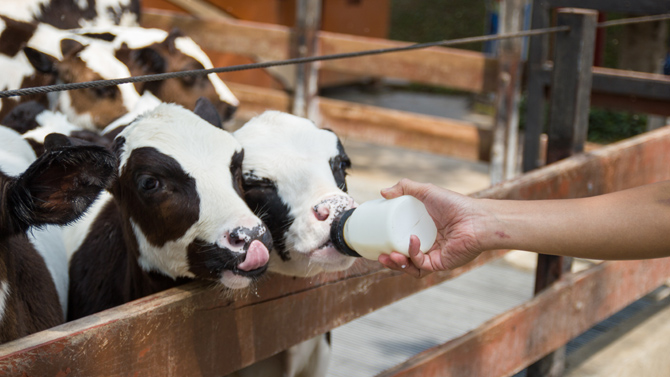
[(337, 234)]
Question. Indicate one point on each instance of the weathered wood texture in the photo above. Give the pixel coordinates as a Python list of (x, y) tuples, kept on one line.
[(304, 43), (196, 331), (506, 122), (458, 69), (506, 344), (378, 125), (639, 7), (627, 90)]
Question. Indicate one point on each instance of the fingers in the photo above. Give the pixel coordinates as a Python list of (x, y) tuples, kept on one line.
[(416, 266)]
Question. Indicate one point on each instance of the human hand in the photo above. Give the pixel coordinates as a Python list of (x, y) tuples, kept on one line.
[(455, 216)]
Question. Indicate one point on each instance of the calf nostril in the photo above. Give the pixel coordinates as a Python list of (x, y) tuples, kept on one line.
[(236, 240), (321, 212)]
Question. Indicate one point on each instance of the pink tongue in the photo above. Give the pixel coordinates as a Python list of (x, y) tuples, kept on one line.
[(257, 256)]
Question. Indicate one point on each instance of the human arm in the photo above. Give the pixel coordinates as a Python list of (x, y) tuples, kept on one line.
[(629, 224)]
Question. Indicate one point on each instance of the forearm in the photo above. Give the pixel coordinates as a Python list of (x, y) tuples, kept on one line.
[(630, 224)]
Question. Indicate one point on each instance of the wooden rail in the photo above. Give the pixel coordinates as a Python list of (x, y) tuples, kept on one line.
[(440, 66), (193, 330)]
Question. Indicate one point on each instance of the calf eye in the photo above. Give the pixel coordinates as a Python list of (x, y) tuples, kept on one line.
[(147, 183), (105, 92)]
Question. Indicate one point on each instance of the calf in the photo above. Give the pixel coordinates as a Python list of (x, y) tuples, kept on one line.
[(70, 14), (294, 177), (152, 51), (53, 189), (50, 56), (174, 213)]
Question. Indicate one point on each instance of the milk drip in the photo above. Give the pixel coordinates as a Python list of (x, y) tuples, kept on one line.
[(381, 226)]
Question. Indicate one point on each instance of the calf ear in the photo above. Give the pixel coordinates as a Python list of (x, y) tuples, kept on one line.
[(60, 185), (149, 60), (42, 62), (206, 110), (22, 117), (70, 47)]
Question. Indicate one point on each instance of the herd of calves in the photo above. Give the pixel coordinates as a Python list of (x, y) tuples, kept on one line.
[(112, 194)]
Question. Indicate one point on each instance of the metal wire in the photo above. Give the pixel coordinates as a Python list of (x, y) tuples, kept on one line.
[(311, 59), (197, 72)]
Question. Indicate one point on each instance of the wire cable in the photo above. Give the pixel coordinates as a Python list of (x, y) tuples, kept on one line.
[(311, 59)]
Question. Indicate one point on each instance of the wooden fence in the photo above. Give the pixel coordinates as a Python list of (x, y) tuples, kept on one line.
[(194, 330)]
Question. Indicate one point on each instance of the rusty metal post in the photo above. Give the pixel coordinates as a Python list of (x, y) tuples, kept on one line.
[(305, 43), (568, 126)]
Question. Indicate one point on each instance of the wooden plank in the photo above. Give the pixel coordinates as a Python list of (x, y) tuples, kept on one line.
[(571, 84), (639, 7), (506, 124), (378, 125), (305, 44), (196, 331), (538, 52), (506, 344), (568, 127), (458, 69), (626, 90)]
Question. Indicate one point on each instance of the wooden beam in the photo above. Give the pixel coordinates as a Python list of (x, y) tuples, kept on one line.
[(639, 7), (626, 90), (195, 330), (568, 127), (507, 343), (439, 66)]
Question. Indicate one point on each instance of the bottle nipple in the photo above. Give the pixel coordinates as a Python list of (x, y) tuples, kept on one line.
[(382, 226)]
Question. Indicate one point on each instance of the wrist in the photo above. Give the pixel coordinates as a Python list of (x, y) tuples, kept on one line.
[(492, 230)]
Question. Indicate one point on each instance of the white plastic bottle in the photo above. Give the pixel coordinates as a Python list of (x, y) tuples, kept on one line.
[(381, 226)]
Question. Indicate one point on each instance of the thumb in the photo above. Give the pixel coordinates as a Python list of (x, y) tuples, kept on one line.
[(403, 187)]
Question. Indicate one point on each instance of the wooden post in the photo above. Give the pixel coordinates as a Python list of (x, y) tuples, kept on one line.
[(305, 43), (538, 52), (568, 126), (506, 127)]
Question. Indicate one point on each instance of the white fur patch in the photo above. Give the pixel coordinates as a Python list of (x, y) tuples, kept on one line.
[(50, 122), (204, 152), (20, 68), (24, 10), (49, 243), (190, 48), (146, 103), (75, 233), (99, 57), (4, 296), (16, 155)]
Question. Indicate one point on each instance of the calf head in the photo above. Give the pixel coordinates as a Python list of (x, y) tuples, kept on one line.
[(294, 178), (174, 52), (56, 188), (90, 108), (179, 189)]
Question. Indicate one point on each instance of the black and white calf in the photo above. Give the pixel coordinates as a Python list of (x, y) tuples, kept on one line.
[(150, 51), (174, 212), (43, 55), (294, 178), (53, 189)]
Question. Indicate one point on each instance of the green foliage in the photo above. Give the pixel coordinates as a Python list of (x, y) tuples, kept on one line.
[(606, 126)]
